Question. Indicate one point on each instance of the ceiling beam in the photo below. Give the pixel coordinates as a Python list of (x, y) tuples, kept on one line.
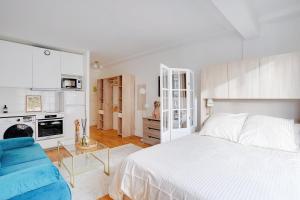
[(240, 15), (281, 14)]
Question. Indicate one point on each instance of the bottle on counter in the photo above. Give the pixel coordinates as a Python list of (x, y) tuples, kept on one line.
[(5, 109)]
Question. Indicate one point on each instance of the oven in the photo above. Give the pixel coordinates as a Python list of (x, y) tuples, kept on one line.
[(49, 127)]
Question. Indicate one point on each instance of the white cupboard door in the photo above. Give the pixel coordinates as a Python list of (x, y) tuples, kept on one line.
[(165, 134), (243, 79), (192, 103), (214, 83), (46, 69), (15, 65), (279, 76), (71, 114), (71, 64)]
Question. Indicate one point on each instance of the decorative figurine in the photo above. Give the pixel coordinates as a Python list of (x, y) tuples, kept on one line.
[(156, 111), (77, 130)]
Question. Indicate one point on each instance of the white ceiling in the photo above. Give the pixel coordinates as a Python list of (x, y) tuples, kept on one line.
[(115, 30), (271, 10)]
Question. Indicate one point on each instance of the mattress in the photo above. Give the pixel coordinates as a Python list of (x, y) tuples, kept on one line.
[(203, 167)]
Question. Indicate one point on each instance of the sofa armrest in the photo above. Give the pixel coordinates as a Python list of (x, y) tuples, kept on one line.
[(16, 143), (26, 180)]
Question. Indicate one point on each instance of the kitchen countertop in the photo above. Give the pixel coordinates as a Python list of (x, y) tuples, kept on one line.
[(22, 114)]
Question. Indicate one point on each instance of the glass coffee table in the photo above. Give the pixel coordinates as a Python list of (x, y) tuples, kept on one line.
[(79, 159)]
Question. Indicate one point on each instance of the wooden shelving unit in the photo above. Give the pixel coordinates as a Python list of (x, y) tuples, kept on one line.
[(115, 100), (100, 103)]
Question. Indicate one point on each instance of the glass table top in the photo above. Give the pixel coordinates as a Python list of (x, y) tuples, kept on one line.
[(77, 149)]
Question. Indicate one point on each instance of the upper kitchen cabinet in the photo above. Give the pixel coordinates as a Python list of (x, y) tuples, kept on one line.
[(46, 69), (280, 76), (214, 83), (15, 65), (71, 64), (243, 79)]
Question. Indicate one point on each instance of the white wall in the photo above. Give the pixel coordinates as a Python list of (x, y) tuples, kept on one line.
[(146, 69), (275, 38), (94, 75)]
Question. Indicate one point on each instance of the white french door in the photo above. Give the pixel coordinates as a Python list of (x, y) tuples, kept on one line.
[(178, 107), (165, 104)]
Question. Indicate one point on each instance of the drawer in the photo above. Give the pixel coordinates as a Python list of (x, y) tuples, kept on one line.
[(151, 131), (149, 140), (151, 123)]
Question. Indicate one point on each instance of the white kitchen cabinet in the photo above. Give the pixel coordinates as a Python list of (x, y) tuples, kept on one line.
[(71, 64), (74, 109), (243, 79), (214, 81), (15, 65), (46, 69), (280, 76)]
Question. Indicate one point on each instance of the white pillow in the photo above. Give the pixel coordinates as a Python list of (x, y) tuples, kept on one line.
[(224, 125), (269, 132)]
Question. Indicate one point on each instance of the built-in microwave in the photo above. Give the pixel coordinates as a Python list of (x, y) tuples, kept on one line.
[(71, 83)]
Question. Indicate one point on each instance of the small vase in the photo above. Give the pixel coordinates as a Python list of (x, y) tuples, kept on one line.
[(84, 139)]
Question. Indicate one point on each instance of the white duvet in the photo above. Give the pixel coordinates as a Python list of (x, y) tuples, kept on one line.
[(203, 167)]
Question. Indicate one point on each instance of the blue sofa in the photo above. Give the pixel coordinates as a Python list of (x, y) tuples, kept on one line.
[(27, 173)]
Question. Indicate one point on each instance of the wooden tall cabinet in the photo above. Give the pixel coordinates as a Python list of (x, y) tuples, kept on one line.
[(116, 104), (243, 79), (279, 76), (214, 82)]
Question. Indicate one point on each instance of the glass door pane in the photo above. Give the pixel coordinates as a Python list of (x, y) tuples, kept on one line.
[(192, 100), (165, 100), (165, 121), (183, 80), (165, 78), (175, 80), (191, 117), (165, 105), (175, 119), (183, 119), (183, 100), (175, 99)]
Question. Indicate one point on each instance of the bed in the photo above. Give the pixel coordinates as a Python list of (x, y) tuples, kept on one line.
[(205, 167)]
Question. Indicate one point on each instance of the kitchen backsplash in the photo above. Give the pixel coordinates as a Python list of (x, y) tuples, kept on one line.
[(15, 99)]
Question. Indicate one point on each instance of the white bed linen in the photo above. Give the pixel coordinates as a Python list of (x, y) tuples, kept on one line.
[(203, 167), (269, 132), (225, 125)]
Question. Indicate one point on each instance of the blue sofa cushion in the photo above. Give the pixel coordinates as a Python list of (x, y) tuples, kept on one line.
[(16, 143), (26, 180), (21, 155), (55, 191), (1, 153), (25, 165)]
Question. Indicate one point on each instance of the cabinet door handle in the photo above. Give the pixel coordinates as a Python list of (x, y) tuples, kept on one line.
[(47, 52), (155, 129), (152, 120), (153, 137)]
